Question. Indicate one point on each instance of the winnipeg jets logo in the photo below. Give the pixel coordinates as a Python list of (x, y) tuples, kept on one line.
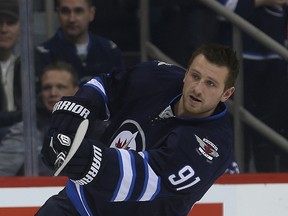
[(207, 148), (129, 136), (125, 140)]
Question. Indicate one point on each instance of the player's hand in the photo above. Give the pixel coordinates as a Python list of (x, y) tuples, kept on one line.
[(67, 115)]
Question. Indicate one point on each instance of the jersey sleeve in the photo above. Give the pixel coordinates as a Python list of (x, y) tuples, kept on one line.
[(109, 92), (102, 91)]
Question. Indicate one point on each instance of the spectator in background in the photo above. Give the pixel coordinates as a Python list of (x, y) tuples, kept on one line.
[(10, 82), (119, 21), (200, 26), (89, 54), (167, 28), (58, 79), (179, 27), (265, 80)]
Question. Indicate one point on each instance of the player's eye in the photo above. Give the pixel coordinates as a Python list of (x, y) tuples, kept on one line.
[(210, 83), (195, 76)]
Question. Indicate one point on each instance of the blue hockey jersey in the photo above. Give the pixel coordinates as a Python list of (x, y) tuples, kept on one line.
[(151, 162)]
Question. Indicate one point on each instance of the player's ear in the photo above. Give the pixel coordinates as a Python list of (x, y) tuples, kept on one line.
[(227, 94)]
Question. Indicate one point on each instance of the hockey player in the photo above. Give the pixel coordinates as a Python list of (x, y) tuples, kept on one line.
[(169, 138)]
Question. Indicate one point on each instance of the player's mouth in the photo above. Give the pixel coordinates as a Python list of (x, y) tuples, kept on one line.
[(195, 99)]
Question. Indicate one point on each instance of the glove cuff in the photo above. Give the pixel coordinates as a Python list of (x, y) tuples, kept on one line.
[(86, 163)]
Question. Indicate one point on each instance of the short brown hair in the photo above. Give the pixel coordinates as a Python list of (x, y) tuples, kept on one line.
[(220, 55), (61, 65)]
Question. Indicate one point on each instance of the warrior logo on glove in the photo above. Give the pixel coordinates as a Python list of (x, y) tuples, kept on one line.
[(64, 140), (72, 107)]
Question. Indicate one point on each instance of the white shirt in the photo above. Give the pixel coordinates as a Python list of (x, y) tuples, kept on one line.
[(7, 73), (82, 51)]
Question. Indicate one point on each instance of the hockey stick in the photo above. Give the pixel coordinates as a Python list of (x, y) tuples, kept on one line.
[(79, 136)]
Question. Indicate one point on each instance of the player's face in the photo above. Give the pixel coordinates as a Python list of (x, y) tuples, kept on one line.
[(74, 17), (204, 88), (54, 85), (9, 32)]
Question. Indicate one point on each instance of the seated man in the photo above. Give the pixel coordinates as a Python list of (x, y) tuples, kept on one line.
[(10, 80), (88, 53), (57, 80)]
